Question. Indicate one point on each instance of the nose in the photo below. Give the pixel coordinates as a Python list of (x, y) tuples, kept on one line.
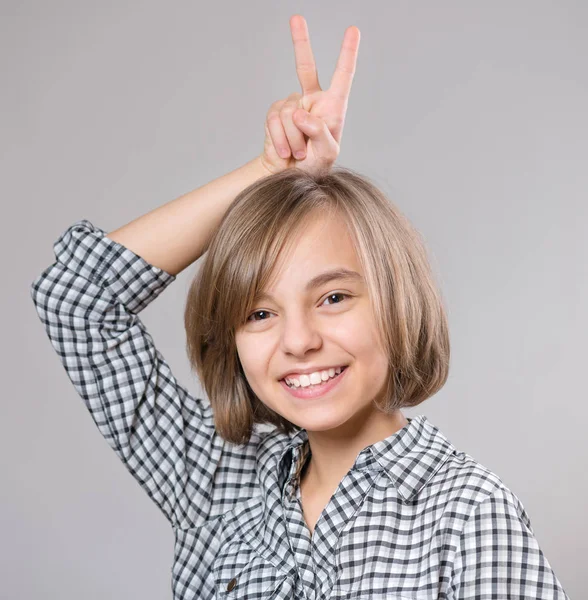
[(299, 335)]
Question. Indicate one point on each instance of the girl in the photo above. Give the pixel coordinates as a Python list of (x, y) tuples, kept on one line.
[(314, 311)]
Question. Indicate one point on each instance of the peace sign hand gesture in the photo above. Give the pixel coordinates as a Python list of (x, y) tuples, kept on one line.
[(311, 122)]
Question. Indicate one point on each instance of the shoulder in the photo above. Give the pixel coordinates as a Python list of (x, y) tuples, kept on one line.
[(470, 487)]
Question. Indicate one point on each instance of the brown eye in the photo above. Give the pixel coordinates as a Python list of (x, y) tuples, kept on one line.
[(258, 312), (336, 295)]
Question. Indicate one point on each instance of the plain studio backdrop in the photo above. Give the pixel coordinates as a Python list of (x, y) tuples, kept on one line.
[(471, 116)]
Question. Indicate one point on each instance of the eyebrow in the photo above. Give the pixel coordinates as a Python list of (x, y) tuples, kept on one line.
[(322, 279)]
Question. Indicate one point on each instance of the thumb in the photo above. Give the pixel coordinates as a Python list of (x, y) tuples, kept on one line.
[(307, 123), (316, 129)]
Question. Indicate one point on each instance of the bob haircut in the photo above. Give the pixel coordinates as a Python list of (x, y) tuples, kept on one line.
[(258, 227)]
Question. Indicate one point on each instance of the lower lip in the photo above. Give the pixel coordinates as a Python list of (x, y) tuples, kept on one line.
[(314, 392)]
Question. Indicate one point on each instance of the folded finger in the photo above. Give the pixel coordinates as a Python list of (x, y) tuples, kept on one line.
[(324, 144), (295, 137), (277, 134)]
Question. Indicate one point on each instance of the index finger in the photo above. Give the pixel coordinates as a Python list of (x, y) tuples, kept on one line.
[(305, 64), (345, 69)]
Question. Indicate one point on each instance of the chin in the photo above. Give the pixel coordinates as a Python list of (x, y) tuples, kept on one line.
[(322, 421)]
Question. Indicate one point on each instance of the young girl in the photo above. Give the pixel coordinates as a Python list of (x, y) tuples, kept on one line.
[(314, 311)]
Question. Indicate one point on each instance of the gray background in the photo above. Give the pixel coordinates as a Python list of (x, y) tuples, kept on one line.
[(471, 116)]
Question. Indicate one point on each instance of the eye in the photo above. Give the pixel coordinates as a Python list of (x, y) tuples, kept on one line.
[(258, 312), (335, 295), (266, 313)]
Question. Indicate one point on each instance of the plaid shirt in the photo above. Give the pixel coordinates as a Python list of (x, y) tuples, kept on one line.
[(413, 518)]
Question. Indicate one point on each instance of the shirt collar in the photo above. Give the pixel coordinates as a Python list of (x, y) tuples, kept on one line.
[(409, 457)]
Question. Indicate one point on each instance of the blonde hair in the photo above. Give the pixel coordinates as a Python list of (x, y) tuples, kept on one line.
[(243, 254)]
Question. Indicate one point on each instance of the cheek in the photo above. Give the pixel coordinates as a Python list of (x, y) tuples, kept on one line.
[(245, 348), (244, 354), (359, 335), (364, 344), (254, 360)]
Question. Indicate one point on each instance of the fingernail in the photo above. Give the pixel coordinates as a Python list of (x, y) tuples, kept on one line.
[(299, 154)]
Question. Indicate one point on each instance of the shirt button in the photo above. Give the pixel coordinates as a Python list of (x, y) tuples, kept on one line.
[(231, 584)]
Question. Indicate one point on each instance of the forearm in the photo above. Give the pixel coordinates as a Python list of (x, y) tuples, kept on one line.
[(177, 233)]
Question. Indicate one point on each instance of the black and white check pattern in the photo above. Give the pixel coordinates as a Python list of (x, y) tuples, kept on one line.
[(413, 518)]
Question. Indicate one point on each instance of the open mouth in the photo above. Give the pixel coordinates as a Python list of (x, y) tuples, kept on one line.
[(315, 385)]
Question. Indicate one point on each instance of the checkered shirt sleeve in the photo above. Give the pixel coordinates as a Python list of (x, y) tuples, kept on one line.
[(498, 555), (88, 301)]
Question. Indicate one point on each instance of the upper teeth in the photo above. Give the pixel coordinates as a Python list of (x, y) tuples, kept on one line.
[(307, 379)]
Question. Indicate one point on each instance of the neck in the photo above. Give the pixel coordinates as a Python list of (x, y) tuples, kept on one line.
[(334, 452)]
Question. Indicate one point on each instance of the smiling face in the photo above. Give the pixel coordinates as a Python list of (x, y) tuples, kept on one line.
[(295, 327)]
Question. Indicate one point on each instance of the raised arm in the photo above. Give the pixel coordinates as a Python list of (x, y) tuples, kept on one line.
[(174, 235), (89, 300)]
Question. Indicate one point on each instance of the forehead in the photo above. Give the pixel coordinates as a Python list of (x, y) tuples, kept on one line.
[(322, 242)]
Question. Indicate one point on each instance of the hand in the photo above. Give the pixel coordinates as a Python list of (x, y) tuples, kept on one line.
[(313, 121)]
